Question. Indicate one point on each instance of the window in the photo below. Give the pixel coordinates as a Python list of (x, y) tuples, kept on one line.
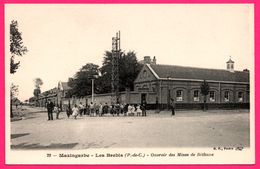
[(226, 96), (212, 96), (240, 96), (179, 96), (196, 96), (228, 66), (232, 67)]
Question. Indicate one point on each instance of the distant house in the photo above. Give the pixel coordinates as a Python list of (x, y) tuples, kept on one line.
[(63, 95), (157, 84), (48, 95)]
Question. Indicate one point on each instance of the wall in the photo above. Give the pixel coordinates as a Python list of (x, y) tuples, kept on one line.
[(166, 89)]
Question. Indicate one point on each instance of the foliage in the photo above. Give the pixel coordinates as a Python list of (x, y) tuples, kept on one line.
[(16, 46), (128, 71), (204, 87), (14, 91), (37, 91), (81, 84), (38, 82)]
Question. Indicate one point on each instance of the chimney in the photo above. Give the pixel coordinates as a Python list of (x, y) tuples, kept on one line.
[(154, 60), (147, 60)]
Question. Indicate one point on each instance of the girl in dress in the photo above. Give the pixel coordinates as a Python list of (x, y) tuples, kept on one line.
[(75, 111), (129, 109), (138, 110)]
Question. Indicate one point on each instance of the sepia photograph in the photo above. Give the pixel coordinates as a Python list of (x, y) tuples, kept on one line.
[(129, 84)]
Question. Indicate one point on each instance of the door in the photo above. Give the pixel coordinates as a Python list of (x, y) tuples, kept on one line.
[(143, 98)]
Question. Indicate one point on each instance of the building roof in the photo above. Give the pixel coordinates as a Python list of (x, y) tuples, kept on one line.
[(230, 61), (182, 72), (49, 93), (65, 85)]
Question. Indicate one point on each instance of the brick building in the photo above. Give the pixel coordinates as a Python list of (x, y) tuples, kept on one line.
[(158, 83)]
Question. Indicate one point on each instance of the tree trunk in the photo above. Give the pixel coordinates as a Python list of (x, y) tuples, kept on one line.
[(204, 105)]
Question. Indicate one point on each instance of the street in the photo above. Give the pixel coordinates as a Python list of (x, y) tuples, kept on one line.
[(193, 128)]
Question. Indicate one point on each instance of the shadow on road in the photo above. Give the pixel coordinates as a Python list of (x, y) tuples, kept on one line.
[(37, 146), (19, 135)]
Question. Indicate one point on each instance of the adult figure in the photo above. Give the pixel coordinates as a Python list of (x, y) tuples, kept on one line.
[(121, 108), (125, 109), (105, 109), (50, 107), (144, 108), (68, 111), (112, 109), (117, 109), (92, 108), (96, 109), (85, 109), (100, 109), (173, 107), (81, 109)]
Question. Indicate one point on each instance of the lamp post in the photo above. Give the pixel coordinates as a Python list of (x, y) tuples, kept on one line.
[(92, 80)]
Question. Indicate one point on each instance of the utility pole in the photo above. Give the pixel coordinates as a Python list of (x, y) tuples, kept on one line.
[(115, 72), (92, 93)]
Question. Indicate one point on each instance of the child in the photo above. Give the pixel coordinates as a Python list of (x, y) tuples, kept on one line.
[(129, 110), (75, 111), (68, 111), (57, 111), (138, 110)]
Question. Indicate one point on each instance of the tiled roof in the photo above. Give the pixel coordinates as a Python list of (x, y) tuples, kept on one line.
[(182, 72)]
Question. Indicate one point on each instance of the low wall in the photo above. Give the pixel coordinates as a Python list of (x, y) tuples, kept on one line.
[(135, 98), (199, 106)]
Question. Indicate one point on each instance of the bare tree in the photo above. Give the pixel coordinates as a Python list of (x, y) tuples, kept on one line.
[(37, 91), (13, 93)]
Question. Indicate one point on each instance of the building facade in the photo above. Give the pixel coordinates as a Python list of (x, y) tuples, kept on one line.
[(157, 84)]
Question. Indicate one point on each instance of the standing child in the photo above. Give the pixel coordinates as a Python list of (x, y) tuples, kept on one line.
[(75, 111), (57, 111), (138, 110)]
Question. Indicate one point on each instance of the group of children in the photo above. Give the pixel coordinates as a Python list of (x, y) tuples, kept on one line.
[(99, 110)]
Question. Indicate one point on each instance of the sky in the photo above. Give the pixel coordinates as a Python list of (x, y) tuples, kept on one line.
[(63, 38)]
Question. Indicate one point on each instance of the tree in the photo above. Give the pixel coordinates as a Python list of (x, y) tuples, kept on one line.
[(81, 84), (204, 87), (13, 93), (37, 91), (128, 71), (16, 46), (16, 49)]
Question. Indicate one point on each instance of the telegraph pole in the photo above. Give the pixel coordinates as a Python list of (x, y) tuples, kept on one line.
[(115, 71)]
